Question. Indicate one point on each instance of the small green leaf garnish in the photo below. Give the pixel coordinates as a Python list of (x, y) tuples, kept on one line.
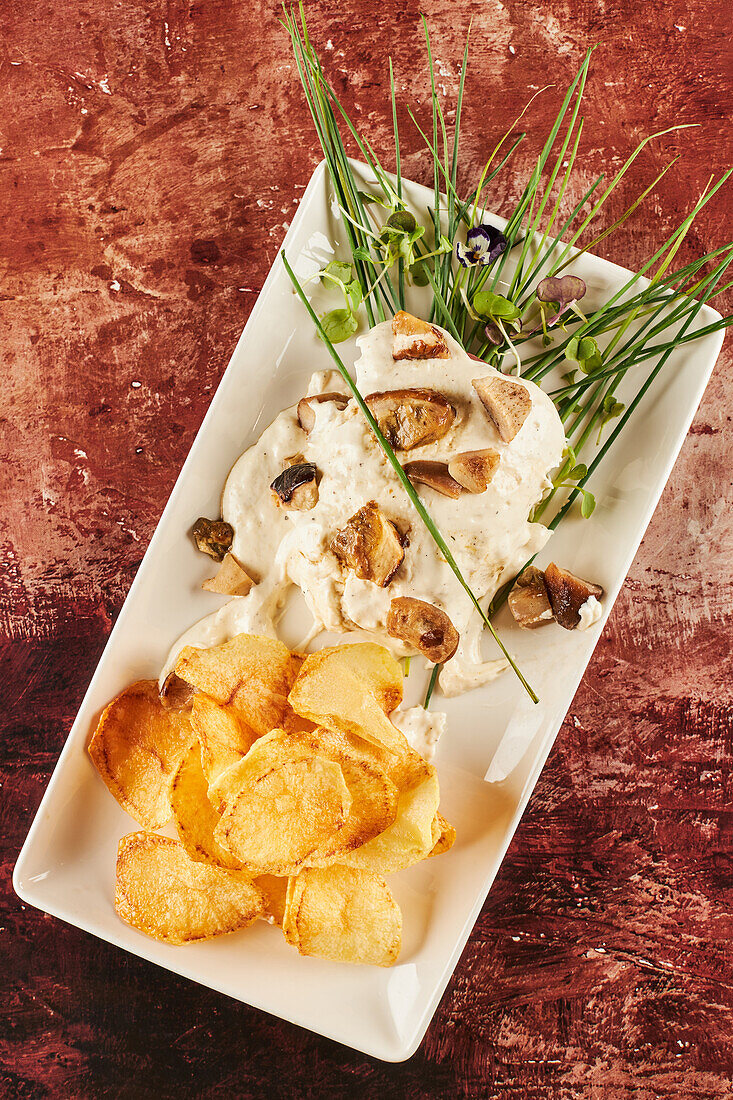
[(402, 221), (585, 353), (588, 503), (337, 270), (494, 306), (610, 409), (339, 325)]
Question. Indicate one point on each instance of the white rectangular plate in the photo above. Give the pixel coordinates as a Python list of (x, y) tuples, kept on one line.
[(67, 864)]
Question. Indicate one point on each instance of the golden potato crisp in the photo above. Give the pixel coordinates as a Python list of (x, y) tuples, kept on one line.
[(343, 914), (224, 737), (373, 795), (410, 837), (194, 814), (446, 835), (162, 892), (283, 804), (137, 748), (352, 689), (252, 675)]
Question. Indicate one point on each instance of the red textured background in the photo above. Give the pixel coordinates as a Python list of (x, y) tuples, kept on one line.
[(152, 153)]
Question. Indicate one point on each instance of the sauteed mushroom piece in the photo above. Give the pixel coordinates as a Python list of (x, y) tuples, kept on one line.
[(507, 403), (424, 471), (306, 410), (528, 600), (213, 537), (175, 693), (411, 418), (296, 487), (474, 470), (370, 545), (567, 594), (416, 339), (231, 580), (424, 627)]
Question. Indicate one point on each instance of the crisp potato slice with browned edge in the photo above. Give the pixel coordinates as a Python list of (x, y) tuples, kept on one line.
[(137, 747), (194, 814), (225, 737), (508, 403), (413, 338), (283, 804), (251, 674), (446, 836), (374, 797), (351, 689), (345, 915), (410, 837), (162, 892)]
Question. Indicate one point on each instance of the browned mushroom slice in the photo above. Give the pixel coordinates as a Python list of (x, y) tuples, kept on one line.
[(411, 418), (306, 410), (474, 469), (370, 545), (213, 537), (416, 339), (528, 600), (507, 403), (296, 487), (231, 580), (423, 471), (175, 693), (567, 594), (424, 627)]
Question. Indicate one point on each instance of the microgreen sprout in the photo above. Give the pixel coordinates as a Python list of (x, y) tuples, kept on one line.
[(340, 324), (501, 315), (562, 293), (610, 409), (585, 353)]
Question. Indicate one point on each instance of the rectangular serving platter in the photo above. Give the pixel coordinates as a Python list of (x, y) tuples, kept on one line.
[(496, 741)]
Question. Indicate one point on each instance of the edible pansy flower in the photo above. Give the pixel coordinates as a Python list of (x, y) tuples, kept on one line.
[(484, 243), (561, 292)]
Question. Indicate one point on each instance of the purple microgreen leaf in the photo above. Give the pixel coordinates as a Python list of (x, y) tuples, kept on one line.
[(560, 292), (493, 334)]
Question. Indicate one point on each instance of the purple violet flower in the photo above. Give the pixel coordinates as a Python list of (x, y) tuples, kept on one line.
[(484, 243)]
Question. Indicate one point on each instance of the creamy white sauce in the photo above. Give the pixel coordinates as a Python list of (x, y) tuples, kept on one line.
[(590, 612), (489, 533), (422, 728)]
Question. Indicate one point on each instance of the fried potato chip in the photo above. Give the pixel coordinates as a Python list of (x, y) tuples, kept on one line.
[(343, 914), (162, 892), (137, 748), (446, 835), (224, 737), (194, 814), (352, 689), (373, 795), (274, 891), (283, 803), (410, 837), (250, 674)]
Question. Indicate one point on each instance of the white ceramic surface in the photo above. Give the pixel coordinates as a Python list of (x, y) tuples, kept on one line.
[(67, 864)]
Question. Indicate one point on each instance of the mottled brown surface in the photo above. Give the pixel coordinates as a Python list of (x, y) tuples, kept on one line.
[(152, 153)]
